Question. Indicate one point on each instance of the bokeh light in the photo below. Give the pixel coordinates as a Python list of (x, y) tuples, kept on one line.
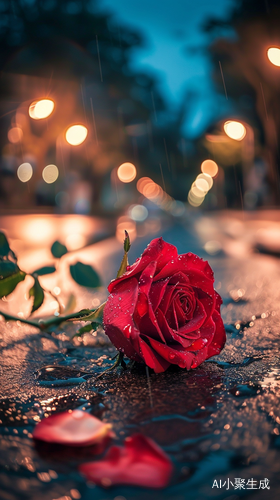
[(202, 184), (209, 167), (199, 193), (25, 172), (15, 135), (126, 172), (41, 109), (152, 190), (139, 213), (195, 201), (142, 182), (212, 247), (207, 178), (50, 174), (124, 223), (76, 134), (235, 130), (273, 55), (75, 241)]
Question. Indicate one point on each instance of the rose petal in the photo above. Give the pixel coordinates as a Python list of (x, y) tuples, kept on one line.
[(219, 338), (169, 335), (208, 302), (153, 359), (76, 428), (158, 250), (197, 270), (141, 462), (157, 291), (196, 322), (219, 301), (118, 318), (180, 357), (200, 356)]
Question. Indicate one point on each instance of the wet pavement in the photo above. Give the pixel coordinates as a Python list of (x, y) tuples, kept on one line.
[(219, 422)]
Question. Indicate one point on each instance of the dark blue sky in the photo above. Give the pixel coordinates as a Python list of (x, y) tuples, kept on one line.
[(170, 27)]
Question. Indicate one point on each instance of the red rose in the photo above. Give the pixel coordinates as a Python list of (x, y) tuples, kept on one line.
[(164, 310)]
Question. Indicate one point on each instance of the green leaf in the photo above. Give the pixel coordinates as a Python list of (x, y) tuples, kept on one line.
[(123, 266), (7, 268), (85, 275), (38, 293), (85, 329), (44, 270), (124, 262), (58, 250), (4, 245), (126, 243), (89, 315), (95, 316), (7, 285)]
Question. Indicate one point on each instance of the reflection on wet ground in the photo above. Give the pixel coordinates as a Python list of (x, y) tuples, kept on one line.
[(219, 422)]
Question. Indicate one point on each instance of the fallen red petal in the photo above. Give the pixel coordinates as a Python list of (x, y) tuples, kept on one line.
[(141, 462), (76, 428)]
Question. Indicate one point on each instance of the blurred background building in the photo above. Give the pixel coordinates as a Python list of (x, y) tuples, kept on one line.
[(183, 96)]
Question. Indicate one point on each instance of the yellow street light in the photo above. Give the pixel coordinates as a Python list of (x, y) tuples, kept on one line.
[(273, 54), (76, 134), (41, 109), (235, 130)]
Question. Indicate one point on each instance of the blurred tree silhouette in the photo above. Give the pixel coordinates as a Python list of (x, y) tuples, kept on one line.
[(73, 53), (240, 44)]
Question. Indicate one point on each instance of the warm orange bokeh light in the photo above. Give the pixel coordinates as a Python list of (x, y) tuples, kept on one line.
[(124, 223), (235, 130), (41, 109), (152, 190), (76, 134), (273, 55), (142, 182), (209, 167), (126, 172), (15, 135)]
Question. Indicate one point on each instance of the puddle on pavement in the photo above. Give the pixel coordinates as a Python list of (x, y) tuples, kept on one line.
[(59, 376)]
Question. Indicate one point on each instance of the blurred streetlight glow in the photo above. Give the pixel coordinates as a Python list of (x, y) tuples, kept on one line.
[(125, 223), (126, 172), (41, 109), (142, 182), (76, 134), (75, 241), (235, 130), (50, 174), (194, 200), (25, 172), (273, 55), (197, 192), (152, 190), (202, 184), (15, 135), (207, 178), (138, 213), (209, 167)]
